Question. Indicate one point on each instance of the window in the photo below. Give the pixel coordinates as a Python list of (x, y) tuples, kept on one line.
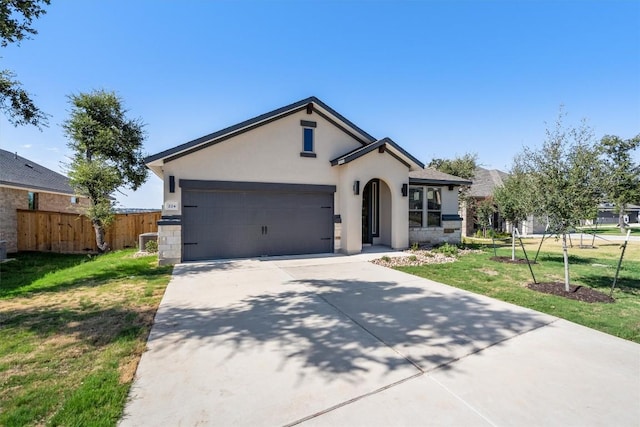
[(307, 138), (33, 201), (434, 207), (307, 141), (425, 212), (416, 206), (74, 200), (375, 208)]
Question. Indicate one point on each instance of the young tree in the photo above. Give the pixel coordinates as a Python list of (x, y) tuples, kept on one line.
[(107, 155), (16, 18), (621, 182), (484, 214), (564, 180), (513, 203)]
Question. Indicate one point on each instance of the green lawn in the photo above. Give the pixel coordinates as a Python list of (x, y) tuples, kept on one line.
[(72, 329), (610, 230), (588, 267)]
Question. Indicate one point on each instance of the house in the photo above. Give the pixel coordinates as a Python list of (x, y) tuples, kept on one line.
[(607, 214), (27, 185), (298, 180), (485, 181)]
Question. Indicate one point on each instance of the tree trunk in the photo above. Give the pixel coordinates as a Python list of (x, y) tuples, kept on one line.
[(565, 255), (621, 223), (513, 243), (100, 243)]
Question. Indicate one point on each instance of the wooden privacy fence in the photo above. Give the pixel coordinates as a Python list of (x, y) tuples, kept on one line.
[(70, 232)]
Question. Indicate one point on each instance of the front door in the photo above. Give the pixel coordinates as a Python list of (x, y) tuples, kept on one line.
[(370, 211)]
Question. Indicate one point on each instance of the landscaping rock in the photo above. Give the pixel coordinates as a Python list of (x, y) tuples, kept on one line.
[(419, 257)]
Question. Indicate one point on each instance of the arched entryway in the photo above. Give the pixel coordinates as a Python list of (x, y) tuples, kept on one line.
[(376, 213)]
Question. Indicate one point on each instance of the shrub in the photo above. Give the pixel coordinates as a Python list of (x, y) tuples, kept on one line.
[(413, 258), (385, 258), (447, 249), (151, 246), (415, 246)]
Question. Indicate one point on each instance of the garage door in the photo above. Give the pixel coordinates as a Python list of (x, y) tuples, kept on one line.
[(234, 220)]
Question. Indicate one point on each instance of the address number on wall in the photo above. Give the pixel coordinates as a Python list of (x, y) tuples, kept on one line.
[(170, 206)]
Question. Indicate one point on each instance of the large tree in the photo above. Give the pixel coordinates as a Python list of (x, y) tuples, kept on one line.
[(621, 183), (565, 182), (16, 18), (462, 166), (107, 149)]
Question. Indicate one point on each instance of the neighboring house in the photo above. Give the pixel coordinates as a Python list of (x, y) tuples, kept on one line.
[(485, 181), (607, 214), (300, 179), (27, 185)]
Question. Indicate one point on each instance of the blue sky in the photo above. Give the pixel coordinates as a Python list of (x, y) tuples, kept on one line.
[(440, 78)]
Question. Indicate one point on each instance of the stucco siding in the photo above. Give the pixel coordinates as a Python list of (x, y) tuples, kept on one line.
[(449, 200), (390, 172), (270, 153)]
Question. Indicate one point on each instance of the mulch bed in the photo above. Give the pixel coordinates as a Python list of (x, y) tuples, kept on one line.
[(579, 293), (508, 260)]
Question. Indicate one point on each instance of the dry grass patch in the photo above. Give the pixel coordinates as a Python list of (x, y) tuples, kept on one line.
[(71, 336), (488, 271)]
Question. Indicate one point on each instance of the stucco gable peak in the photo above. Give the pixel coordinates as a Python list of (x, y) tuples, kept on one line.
[(383, 145), (312, 105)]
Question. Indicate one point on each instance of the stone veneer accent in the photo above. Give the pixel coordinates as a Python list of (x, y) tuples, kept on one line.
[(12, 199), (169, 244), (435, 235), (337, 236)]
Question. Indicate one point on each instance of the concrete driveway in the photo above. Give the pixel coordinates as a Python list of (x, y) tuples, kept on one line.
[(338, 341)]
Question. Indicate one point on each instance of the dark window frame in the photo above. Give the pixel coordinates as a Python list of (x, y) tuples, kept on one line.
[(428, 210), (308, 138), (416, 208), (308, 143)]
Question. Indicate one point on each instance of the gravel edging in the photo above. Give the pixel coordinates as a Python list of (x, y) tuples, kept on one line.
[(415, 258)]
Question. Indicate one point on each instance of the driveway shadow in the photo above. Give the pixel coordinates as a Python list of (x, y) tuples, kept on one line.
[(347, 326)]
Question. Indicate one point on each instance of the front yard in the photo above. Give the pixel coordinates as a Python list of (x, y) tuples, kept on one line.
[(72, 330), (594, 268), (73, 327)]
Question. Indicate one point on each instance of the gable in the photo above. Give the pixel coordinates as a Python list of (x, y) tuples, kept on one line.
[(311, 106), (385, 145), (272, 152)]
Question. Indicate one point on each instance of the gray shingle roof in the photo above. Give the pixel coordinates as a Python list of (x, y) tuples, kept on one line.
[(17, 171), (485, 181), (430, 175)]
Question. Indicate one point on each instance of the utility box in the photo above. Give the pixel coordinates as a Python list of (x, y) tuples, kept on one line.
[(144, 238)]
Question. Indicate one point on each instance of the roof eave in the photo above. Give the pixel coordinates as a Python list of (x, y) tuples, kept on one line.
[(438, 181), (398, 152), (28, 187)]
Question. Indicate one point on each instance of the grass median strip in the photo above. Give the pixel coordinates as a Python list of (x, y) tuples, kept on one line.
[(72, 329), (593, 268)]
